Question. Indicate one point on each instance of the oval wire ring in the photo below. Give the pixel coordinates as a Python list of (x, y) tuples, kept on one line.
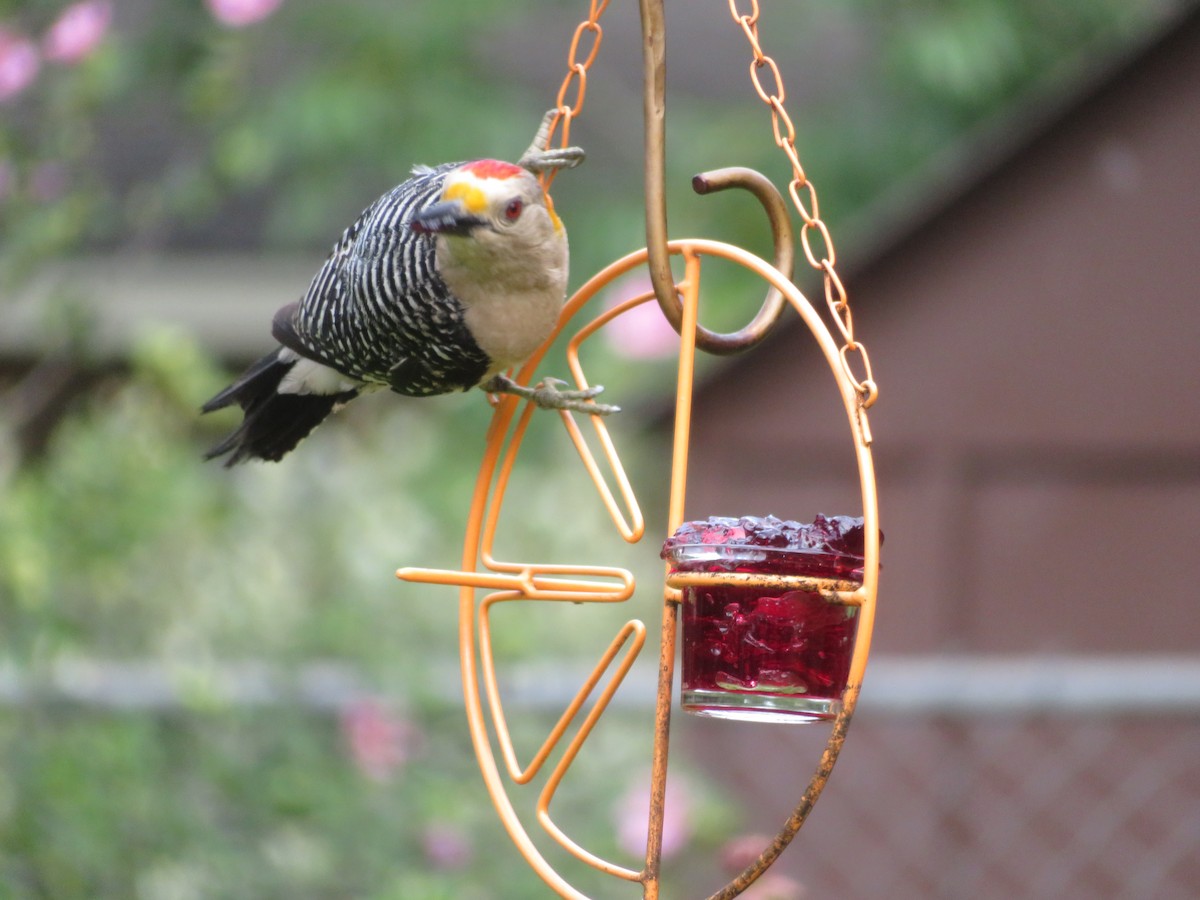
[(478, 669)]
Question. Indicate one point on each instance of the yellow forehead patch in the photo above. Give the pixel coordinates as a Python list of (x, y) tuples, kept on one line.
[(469, 195)]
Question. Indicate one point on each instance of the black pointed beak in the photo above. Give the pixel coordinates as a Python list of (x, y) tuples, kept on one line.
[(449, 217)]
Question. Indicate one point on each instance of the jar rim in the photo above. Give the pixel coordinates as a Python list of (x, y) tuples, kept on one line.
[(734, 549)]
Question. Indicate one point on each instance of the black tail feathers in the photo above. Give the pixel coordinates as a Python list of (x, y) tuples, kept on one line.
[(272, 423)]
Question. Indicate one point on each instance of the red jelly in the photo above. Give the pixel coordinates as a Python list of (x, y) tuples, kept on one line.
[(766, 653)]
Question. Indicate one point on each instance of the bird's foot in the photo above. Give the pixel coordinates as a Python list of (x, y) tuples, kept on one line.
[(540, 157), (539, 161), (547, 395)]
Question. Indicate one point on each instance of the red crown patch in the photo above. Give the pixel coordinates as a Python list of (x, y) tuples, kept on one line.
[(493, 168)]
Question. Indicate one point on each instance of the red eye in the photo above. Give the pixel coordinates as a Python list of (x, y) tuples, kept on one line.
[(512, 212)]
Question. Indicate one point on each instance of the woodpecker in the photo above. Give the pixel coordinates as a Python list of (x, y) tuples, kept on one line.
[(442, 284)]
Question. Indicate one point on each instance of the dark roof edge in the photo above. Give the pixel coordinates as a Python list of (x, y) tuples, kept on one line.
[(987, 150)]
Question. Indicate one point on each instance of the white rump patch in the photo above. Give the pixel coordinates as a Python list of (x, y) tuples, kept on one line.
[(310, 377)]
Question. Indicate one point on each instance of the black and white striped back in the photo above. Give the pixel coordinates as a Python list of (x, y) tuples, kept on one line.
[(378, 311)]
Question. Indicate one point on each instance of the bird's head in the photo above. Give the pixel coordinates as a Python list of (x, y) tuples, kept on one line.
[(493, 202), (502, 252)]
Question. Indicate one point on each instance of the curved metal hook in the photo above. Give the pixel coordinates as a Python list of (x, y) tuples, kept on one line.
[(724, 344), (659, 262), (785, 253)]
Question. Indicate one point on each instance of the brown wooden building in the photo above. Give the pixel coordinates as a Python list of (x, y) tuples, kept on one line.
[(1034, 333)]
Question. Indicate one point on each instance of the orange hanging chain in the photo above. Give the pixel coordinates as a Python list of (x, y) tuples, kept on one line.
[(785, 138), (585, 44)]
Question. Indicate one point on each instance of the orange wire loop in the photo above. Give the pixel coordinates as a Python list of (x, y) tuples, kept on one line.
[(517, 582)]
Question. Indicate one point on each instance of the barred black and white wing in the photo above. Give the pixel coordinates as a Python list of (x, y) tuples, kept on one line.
[(378, 311)]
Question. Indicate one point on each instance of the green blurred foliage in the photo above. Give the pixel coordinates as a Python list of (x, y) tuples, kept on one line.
[(117, 543), (233, 804)]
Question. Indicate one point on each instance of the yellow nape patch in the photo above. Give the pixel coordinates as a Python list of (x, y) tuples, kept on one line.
[(558, 225), (471, 197)]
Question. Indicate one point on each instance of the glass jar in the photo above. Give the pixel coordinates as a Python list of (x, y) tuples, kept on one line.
[(764, 637)]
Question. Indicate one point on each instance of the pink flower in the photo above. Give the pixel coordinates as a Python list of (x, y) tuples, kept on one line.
[(740, 851), (773, 885), (642, 332), (240, 13), (77, 31), (633, 817), (19, 63), (379, 741), (446, 848)]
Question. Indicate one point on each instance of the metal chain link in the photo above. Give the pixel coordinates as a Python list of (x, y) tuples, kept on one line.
[(814, 236), (585, 44)]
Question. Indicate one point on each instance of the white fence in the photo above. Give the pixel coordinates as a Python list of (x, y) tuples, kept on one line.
[(923, 686)]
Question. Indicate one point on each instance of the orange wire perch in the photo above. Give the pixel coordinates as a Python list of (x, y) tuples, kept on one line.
[(509, 581)]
